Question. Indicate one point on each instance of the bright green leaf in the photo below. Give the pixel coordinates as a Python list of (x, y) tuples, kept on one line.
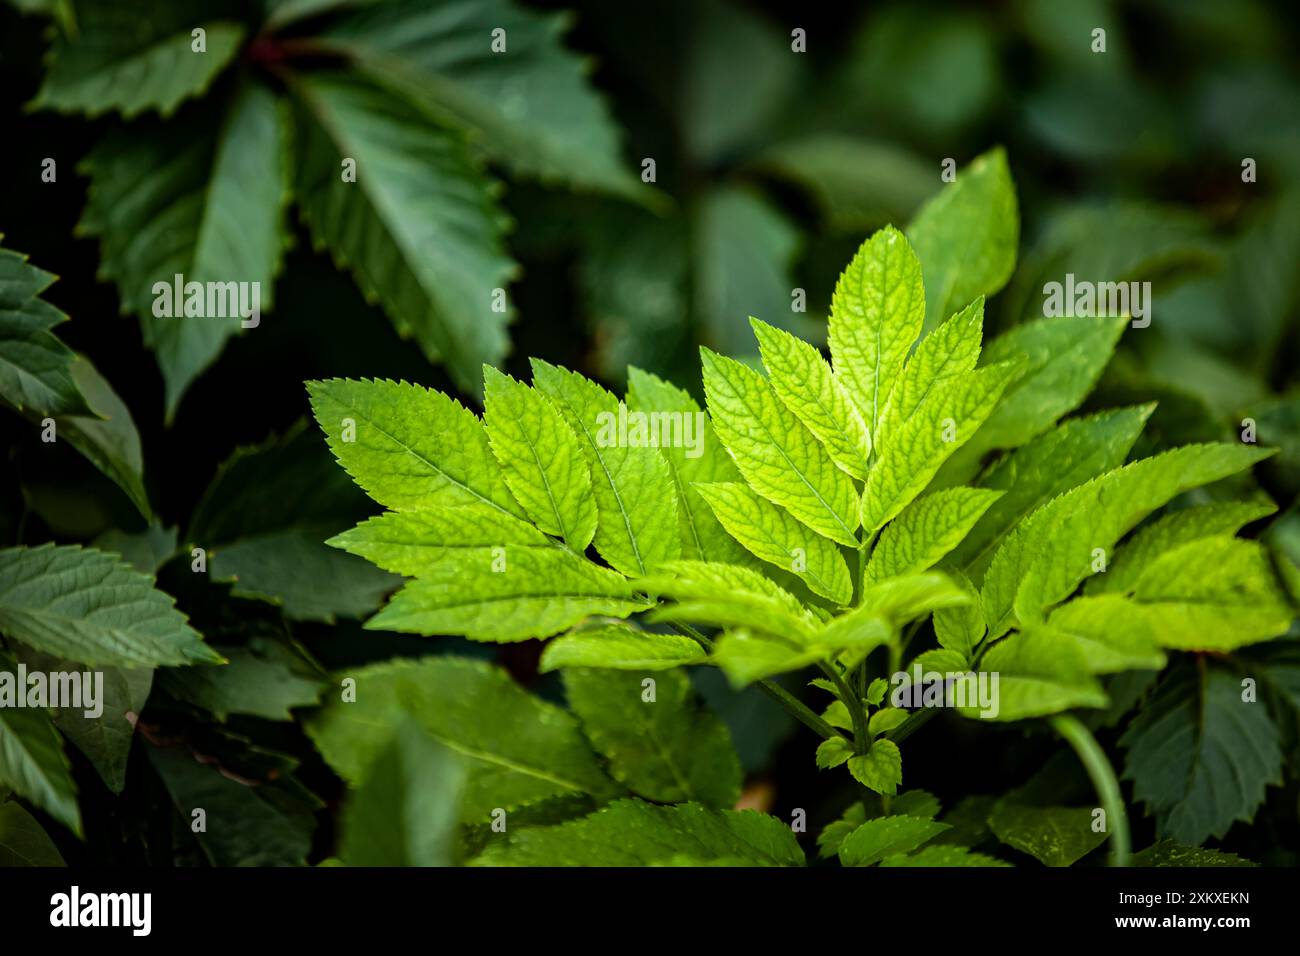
[(703, 537), (1047, 556), (1114, 634), (945, 420), (535, 593), (771, 533), (1077, 451), (540, 456), (886, 836), (832, 752), (729, 596), (780, 458), (804, 382), (926, 530), (880, 768), (637, 526), (620, 647), (1064, 359), (950, 350), (1038, 675), (1214, 594), (409, 446), (433, 540), (960, 629), (1169, 531), (877, 312)]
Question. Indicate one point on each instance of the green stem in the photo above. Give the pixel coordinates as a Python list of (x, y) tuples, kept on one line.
[(861, 737), (854, 705), (915, 721), (796, 707), (859, 586), (1103, 779)]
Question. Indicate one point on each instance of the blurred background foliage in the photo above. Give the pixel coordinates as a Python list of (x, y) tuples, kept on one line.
[(771, 166)]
